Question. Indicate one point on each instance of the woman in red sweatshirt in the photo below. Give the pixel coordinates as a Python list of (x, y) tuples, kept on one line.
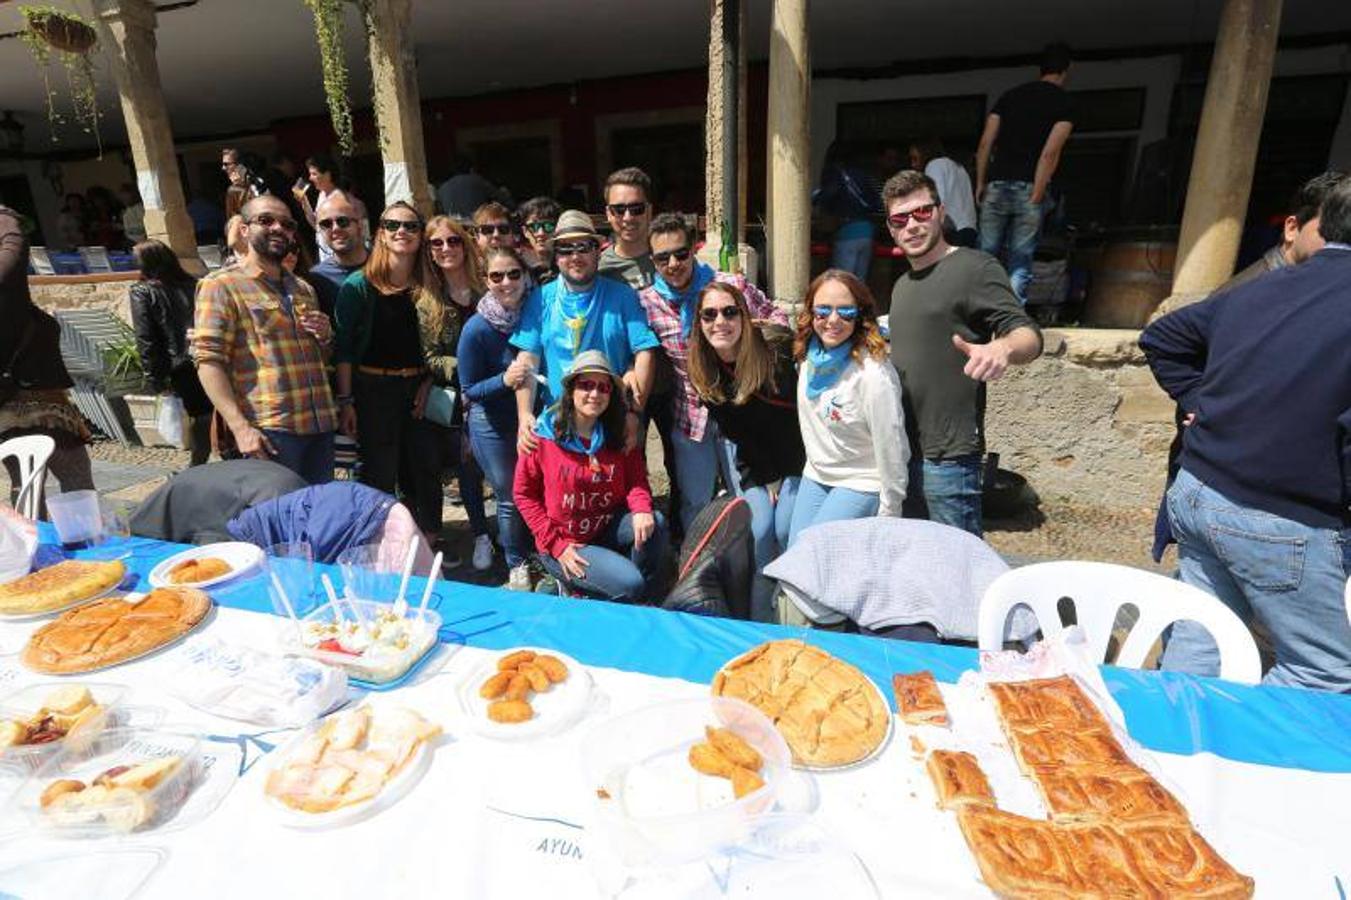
[(585, 498)]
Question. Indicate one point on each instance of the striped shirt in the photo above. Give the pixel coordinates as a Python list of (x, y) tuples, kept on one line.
[(250, 326)]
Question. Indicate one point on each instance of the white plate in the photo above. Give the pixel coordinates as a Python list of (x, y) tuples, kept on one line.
[(393, 790), (239, 556), (556, 710)]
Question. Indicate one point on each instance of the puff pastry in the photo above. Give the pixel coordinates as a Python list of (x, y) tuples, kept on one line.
[(958, 779), (828, 711), (1018, 857), (1102, 862), (1176, 861), (918, 699), (1037, 749), (1046, 703), (1113, 794), (114, 630)]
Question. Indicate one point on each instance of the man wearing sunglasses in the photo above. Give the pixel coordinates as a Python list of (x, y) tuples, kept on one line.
[(340, 219), (493, 227), (628, 207), (575, 312), (955, 324), (670, 304), (261, 343), (538, 217)]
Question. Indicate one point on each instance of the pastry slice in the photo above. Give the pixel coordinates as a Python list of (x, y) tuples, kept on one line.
[(1045, 703), (1102, 862), (1052, 747), (958, 780), (1119, 795), (1176, 861), (918, 699), (1018, 857)]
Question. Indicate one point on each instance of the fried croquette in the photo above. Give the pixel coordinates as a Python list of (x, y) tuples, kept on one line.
[(552, 666), (707, 759), (734, 747), (496, 686), (510, 711), (514, 660)]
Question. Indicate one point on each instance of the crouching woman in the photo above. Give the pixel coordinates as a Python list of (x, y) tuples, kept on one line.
[(586, 499)]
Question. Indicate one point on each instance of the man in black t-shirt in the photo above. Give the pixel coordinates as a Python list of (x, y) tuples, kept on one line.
[(1026, 130)]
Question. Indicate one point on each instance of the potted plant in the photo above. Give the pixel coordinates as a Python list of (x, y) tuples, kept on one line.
[(123, 373), (47, 30)]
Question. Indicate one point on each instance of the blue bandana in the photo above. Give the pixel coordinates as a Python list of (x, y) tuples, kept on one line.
[(824, 366), (544, 427), (688, 298)]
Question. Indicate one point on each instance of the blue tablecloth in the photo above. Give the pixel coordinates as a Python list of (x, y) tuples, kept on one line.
[(1165, 711)]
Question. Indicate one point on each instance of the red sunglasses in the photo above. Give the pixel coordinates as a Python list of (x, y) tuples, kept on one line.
[(587, 385)]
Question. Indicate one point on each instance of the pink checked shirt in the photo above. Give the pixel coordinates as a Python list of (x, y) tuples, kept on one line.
[(691, 417)]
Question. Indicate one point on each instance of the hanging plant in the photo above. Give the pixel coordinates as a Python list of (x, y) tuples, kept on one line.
[(47, 30), (368, 19), (328, 34)]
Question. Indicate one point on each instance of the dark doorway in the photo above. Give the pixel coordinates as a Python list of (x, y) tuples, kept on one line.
[(665, 152)]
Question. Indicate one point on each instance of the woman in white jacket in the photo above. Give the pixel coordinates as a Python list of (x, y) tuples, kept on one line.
[(848, 406)]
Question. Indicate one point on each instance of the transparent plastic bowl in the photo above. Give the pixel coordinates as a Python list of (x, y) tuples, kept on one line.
[(114, 747), (377, 668), (659, 810), (371, 572), (25, 702)]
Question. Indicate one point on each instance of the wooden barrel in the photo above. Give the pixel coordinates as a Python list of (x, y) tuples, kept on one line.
[(1128, 281)]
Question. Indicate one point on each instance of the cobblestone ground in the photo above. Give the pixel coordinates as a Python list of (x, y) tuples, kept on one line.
[(1078, 531)]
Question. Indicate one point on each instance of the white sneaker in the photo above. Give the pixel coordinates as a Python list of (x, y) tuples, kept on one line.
[(483, 552), (518, 579)]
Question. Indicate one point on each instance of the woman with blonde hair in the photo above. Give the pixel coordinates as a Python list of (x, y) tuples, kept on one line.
[(382, 376), (749, 386), (848, 407), (442, 315)]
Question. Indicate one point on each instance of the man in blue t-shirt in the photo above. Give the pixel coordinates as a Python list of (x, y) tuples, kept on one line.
[(578, 311), (340, 219)]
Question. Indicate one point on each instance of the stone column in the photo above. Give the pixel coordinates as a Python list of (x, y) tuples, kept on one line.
[(789, 153), (726, 111), (398, 106), (127, 32), (1226, 148)]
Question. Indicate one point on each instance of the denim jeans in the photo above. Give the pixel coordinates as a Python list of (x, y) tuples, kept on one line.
[(696, 464), (817, 503), (947, 491), (496, 456), (1010, 224), (770, 524), (853, 255), (616, 569), (1286, 575), (308, 455)]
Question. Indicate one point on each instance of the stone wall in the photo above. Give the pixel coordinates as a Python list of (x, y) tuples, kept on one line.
[(108, 292), (1086, 423)]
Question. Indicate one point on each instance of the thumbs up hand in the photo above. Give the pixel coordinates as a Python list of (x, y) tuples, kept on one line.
[(984, 362)]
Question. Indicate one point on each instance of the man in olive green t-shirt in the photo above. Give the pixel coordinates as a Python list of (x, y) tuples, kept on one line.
[(955, 324)]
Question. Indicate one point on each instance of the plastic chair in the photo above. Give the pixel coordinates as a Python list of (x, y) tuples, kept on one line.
[(41, 261), (211, 256), (32, 451), (95, 259), (1098, 591)]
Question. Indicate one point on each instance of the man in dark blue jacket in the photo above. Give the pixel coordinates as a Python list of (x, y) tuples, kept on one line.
[(1260, 506)]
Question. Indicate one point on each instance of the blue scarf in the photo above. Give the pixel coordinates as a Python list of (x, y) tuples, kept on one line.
[(825, 366), (688, 298), (544, 427)]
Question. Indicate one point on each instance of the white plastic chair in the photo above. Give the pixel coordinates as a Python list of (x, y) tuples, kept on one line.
[(211, 256), (32, 452), (41, 260), (1098, 591), (95, 259)]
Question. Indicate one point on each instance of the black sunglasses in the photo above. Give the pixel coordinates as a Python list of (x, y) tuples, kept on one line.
[(490, 230), (513, 274), (570, 249), (453, 241), (267, 220), (412, 226), (540, 226), (666, 256), (335, 222), (711, 313), (619, 209)]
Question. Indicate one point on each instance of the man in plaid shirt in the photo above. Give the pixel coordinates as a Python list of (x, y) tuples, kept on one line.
[(670, 304), (260, 343)]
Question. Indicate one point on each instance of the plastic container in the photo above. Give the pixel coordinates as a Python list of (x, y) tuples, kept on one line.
[(556, 709), (658, 810), (112, 748), (76, 515), (247, 685), (379, 664), (24, 703)]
